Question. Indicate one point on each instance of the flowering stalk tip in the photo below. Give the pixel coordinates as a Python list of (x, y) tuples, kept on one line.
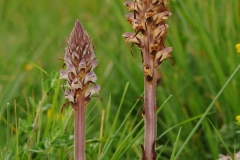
[(80, 79), (80, 62)]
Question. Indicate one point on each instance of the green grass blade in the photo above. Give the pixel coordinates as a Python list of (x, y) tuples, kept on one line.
[(123, 145), (119, 108), (108, 111), (16, 125), (163, 104), (8, 126), (113, 134), (175, 145), (40, 68), (219, 136), (54, 109), (179, 124), (162, 149), (124, 142), (206, 112)]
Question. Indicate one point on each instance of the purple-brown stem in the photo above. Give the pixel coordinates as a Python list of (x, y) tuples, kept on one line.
[(150, 118), (150, 85), (148, 20), (79, 134)]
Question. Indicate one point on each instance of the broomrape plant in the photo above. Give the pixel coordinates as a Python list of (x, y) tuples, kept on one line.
[(147, 19), (80, 62)]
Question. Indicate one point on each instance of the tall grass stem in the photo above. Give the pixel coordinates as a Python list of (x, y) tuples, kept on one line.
[(206, 112)]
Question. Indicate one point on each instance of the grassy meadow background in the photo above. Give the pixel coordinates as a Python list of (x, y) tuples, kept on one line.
[(33, 36)]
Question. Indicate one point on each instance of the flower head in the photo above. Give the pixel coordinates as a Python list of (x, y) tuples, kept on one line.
[(147, 19), (80, 62), (238, 47), (238, 119)]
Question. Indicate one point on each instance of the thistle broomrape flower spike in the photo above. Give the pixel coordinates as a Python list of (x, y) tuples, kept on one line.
[(147, 18), (80, 62)]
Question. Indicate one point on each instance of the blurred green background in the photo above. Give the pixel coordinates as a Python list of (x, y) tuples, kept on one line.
[(203, 34)]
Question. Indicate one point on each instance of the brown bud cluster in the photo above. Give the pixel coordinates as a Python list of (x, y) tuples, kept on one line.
[(147, 19), (80, 62)]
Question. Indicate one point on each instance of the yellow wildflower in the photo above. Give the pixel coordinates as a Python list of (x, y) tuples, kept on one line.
[(238, 119), (57, 116), (48, 113), (28, 67), (238, 47)]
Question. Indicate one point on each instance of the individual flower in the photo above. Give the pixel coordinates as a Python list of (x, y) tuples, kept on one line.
[(238, 47), (238, 119), (223, 157), (28, 67)]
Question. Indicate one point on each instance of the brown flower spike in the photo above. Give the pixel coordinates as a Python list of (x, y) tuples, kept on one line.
[(148, 20), (80, 62)]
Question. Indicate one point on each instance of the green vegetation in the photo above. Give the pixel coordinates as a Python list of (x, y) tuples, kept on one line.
[(194, 120)]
